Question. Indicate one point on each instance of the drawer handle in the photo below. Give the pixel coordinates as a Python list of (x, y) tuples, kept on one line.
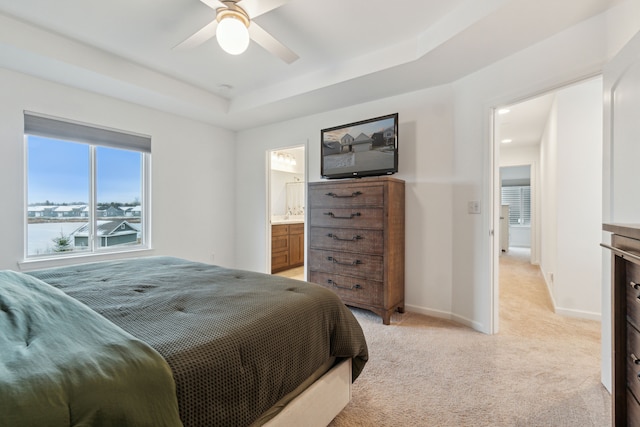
[(635, 359), (332, 215), (354, 238), (337, 196), (356, 286), (634, 285), (335, 261)]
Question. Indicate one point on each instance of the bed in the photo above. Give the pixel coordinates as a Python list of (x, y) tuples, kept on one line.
[(164, 341)]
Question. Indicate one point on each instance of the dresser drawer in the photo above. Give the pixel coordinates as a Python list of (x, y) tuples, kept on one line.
[(633, 293), (351, 289), (633, 360), (347, 263), (296, 228), (346, 195), (347, 240), (279, 261), (280, 230), (279, 243), (347, 217)]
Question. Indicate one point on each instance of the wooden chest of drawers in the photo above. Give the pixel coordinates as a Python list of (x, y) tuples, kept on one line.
[(625, 294), (356, 241)]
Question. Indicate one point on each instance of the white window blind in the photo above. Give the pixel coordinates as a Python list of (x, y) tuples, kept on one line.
[(519, 200), (50, 127)]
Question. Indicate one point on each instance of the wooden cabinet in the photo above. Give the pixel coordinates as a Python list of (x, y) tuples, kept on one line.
[(356, 241), (287, 246), (625, 322), (296, 245), (279, 248)]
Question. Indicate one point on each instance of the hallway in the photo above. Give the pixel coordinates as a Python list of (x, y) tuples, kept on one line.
[(526, 309)]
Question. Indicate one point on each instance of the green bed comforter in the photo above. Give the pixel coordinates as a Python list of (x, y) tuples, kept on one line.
[(236, 341), (62, 364)]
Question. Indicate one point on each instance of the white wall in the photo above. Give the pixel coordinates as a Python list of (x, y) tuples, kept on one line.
[(579, 204), (425, 163), (193, 200), (572, 200)]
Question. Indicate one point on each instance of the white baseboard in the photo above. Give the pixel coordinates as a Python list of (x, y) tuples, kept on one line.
[(446, 315), (569, 312), (578, 314), (428, 311)]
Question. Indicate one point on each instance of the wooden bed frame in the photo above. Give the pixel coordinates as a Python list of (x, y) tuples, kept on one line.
[(320, 402)]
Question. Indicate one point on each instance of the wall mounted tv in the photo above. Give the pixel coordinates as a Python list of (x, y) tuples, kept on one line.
[(365, 148)]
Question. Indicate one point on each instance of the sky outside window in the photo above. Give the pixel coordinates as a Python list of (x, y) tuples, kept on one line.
[(58, 172), (118, 175)]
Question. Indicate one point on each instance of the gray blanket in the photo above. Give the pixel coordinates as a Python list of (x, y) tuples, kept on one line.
[(236, 341)]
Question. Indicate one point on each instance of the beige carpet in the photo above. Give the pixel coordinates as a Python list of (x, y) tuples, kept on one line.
[(540, 370)]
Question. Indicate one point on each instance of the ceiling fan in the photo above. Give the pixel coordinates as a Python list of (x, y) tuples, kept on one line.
[(234, 27)]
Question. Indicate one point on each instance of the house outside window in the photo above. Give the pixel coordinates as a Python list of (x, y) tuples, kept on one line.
[(82, 180)]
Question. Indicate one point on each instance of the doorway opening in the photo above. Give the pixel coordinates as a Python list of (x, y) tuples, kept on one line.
[(515, 209), (286, 209), (557, 138)]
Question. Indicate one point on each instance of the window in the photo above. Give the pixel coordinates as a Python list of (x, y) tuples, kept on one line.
[(87, 188), (519, 200)]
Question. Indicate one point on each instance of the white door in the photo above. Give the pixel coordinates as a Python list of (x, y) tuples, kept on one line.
[(621, 189)]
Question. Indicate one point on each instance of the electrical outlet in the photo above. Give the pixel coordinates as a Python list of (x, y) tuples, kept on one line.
[(474, 207)]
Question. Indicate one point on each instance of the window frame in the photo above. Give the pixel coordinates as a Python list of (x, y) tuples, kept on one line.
[(95, 249)]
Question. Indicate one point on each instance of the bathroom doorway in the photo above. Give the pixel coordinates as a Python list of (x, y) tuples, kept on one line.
[(286, 211)]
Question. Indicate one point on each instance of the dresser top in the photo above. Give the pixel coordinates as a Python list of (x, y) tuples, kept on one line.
[(363, 180), (627, 230)]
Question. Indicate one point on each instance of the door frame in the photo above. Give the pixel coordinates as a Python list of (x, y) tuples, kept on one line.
[(494, 193), (305, 147)]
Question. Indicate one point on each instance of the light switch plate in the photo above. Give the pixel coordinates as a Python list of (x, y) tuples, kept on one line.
[(474, 207)]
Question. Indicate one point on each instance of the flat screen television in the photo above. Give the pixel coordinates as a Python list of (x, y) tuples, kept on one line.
[(365, 148)]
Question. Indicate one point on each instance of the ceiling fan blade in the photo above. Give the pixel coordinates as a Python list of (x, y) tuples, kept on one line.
[(258, 7), (213, 4), (267, 41), (201, 36)]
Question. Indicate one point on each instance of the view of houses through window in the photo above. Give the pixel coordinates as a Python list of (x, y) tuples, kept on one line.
[(82, 197)]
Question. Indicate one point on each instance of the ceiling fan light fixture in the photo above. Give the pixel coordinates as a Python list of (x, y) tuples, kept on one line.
[(233, 31)]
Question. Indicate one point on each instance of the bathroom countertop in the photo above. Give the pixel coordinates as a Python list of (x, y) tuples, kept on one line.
[(292, 219)]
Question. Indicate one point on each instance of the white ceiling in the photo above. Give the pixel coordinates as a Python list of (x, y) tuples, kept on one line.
[(351, 51), (524, 123)]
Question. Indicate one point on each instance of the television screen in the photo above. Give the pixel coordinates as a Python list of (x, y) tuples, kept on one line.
[(364, 148)]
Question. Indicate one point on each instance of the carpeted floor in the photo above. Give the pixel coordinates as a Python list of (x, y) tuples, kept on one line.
[(540, 370)]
